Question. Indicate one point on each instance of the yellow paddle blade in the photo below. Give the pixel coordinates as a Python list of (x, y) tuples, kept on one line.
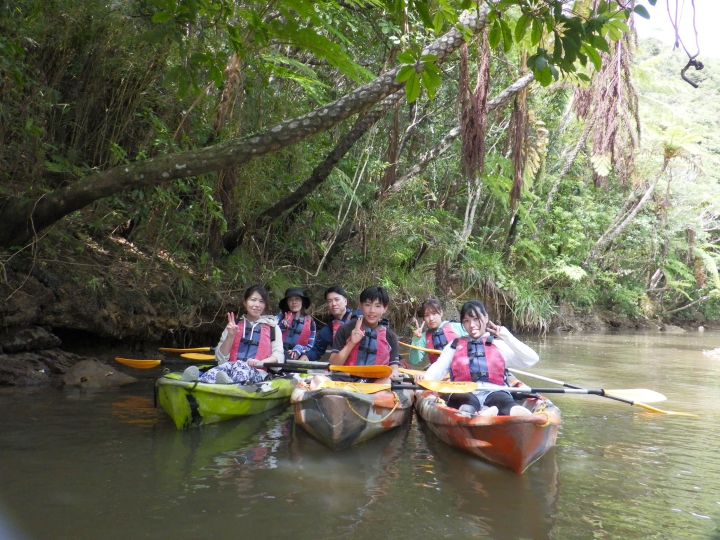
[(673, 413), (196, 349), (411, 372), (139, 364), (371, 372), (362, 388), (423, 349), (198, 356), (637, 394), (448, 387)]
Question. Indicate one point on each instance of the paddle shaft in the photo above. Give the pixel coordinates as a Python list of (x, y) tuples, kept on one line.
[(190, 350), (571, 386), (289, 366), (445, 387), (508, 389), (574, 387), (561, 391)]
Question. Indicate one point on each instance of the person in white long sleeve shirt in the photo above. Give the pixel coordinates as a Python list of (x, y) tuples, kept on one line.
[(245, 346), (482, 357)]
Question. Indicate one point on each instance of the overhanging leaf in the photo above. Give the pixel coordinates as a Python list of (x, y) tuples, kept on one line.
[(642, 11), (412, 87)]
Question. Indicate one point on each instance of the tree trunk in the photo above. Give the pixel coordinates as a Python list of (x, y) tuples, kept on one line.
[(23, 219), (233, 239), (619, 223)]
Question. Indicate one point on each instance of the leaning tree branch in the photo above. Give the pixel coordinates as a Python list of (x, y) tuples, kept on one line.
[(619, 225), (349, 230), (701, 299), (232, 239), (446, 142), (23, 218)]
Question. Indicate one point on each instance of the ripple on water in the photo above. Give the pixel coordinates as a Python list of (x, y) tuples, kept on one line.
[(641, 475)]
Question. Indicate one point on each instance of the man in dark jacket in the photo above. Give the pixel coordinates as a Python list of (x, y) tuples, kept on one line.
[(336, 301)]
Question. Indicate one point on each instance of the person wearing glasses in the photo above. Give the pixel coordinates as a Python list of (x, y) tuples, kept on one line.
[(336, 302)]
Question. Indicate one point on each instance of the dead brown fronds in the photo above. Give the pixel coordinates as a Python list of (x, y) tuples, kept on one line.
[(473, 109), (611, 105)]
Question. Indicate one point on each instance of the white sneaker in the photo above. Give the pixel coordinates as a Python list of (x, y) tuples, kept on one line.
[(490, 411), (222, 378), (191, 374), (517, 410)]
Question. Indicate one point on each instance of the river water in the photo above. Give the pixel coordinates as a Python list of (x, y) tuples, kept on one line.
[(77, 465)]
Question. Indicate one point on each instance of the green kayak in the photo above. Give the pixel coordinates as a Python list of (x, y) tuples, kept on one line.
[(192, 404)]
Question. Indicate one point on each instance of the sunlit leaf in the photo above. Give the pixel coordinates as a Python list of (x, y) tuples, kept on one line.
[(522, 26)]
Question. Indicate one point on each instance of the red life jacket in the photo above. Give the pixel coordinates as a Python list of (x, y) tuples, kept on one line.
[(477, 361), (297, 331), (372, 350), (258, 345), (439, 339)]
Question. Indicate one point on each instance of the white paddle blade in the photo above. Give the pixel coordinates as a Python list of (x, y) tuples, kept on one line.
[(637, 394)]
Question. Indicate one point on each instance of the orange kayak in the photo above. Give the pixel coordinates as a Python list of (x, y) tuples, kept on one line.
[(514, 442)]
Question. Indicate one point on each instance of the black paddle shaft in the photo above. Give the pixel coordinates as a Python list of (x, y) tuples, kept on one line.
[(572, 390)]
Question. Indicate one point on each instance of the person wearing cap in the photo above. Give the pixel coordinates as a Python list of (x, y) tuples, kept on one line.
[(297, 327), (336, 301)]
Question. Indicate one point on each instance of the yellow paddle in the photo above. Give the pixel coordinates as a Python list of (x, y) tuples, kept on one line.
[(446, 387), (423, 349), (364, 388), (196, 349), (149, 364), (198, 356), (374, 372), (618, 395), (371, 372), (642, 394), (139, 364)]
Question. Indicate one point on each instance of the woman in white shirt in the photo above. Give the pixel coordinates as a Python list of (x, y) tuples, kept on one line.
[(482, 357)]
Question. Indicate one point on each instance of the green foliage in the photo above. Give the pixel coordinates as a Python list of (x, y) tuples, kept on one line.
[(419, 71), (575, 37), (108, 97)]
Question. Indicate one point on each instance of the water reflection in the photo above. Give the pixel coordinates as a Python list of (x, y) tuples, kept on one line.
[(491, 502), (79, 465), (351, 482), (137, 410), (185, 457)]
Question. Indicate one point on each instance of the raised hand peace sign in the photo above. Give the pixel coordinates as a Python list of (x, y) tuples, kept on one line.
[(494, 329), (232, 327), (418, 332), (358, 333)]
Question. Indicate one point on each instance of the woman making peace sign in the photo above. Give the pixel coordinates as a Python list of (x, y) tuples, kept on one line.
[(482, 356), (245, 345)]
